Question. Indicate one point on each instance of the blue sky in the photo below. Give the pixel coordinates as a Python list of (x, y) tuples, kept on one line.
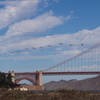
[(36, 34)]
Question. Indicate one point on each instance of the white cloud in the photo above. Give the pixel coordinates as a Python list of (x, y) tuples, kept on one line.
[(6, 2), (18, 15), (70, 52), (39, 24), (87, 37), (17, 11)]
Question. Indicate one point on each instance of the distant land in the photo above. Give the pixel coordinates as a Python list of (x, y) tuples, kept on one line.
[(90, 84)]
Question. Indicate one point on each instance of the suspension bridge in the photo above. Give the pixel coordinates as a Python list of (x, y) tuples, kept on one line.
[(86, 62)]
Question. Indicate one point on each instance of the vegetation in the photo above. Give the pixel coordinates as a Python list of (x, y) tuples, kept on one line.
[(6, 81), (51, 95)]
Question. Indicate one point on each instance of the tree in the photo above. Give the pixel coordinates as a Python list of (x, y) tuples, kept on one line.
[(6, 81), (9, 80), (3, 79)]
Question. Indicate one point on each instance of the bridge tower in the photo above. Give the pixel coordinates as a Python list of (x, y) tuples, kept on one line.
[(39, 78)]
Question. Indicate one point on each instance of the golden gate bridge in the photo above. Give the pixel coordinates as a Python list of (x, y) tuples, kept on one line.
[(85, 63)]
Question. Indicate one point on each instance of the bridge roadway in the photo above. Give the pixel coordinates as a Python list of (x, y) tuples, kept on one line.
[(58, 73)]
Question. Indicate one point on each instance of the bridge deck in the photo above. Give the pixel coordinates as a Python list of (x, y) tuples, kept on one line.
[(58, 73), (71, 73)]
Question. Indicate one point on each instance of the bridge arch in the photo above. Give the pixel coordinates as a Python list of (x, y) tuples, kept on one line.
[(26, 78)]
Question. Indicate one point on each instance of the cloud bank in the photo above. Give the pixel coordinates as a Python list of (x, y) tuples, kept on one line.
[(21, 20)]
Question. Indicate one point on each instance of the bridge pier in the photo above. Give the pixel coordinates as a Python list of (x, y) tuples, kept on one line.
[(36, 80)]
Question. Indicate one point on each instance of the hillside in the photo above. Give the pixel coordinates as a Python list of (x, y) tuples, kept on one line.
[(86, 84)]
